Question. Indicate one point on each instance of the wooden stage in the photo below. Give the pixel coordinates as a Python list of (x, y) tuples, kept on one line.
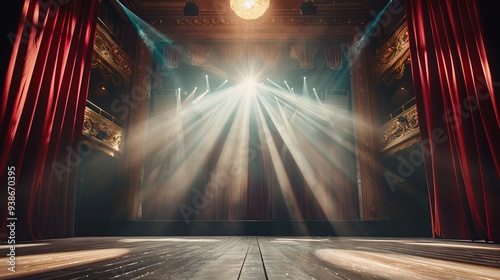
[(250, 257)]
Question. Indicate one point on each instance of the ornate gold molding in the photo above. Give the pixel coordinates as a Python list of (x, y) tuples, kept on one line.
[(106, 72), (272, 21), (400, 132), (174, 7), (111, 60), (398, 69), (274, 28), (372, 204), (389, 62), (102, 133)]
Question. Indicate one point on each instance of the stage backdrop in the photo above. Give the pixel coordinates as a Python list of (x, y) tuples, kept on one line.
[(249, 153)]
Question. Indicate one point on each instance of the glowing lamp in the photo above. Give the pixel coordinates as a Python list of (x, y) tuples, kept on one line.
[(249, 9)]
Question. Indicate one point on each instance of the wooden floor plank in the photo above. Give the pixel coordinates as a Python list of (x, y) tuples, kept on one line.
[(222, 264), (245, 257), (278, 266), (175, 264), (253, 267), (307, 265)]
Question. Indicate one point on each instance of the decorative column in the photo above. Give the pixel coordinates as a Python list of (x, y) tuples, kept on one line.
[(129, 197), (372, 205)]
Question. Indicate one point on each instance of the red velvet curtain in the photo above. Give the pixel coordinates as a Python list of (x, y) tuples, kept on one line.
[(267, 184), (304, 52), (458, 109), (173, 53), (229, 52), (43, 103), (199, 53), (271, 54), (334, 55)]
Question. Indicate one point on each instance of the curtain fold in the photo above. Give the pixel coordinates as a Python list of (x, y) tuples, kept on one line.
[(457, 106), (244, 163), (43, 103), (173, 53), (304, 52), (271, 53), (199, 53), (334, 55), (229, 53)]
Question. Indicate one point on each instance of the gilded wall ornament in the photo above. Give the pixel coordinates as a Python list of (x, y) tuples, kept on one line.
[(103, 133), (402, 129), (389, 62), (110, 58)]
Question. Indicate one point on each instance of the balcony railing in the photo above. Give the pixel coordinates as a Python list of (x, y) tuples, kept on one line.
[(102, 131), (400, 130)]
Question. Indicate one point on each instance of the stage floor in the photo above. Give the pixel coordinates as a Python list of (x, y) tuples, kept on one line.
[(247, 257)]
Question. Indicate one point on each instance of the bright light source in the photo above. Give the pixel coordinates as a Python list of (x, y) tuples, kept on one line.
[(250, 82), (249, 9), (249, 4), (248, 86), (304, 78)]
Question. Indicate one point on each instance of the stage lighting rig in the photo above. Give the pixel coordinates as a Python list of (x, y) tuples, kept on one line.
[(308, 8), (191, 8)]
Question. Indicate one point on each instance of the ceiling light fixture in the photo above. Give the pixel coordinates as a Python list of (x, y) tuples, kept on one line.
[(249, 9), (191, 8), (308, 8)]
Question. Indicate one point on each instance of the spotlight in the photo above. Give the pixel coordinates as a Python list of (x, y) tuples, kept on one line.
[(249, 82), (308, 8), (191, 8)]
